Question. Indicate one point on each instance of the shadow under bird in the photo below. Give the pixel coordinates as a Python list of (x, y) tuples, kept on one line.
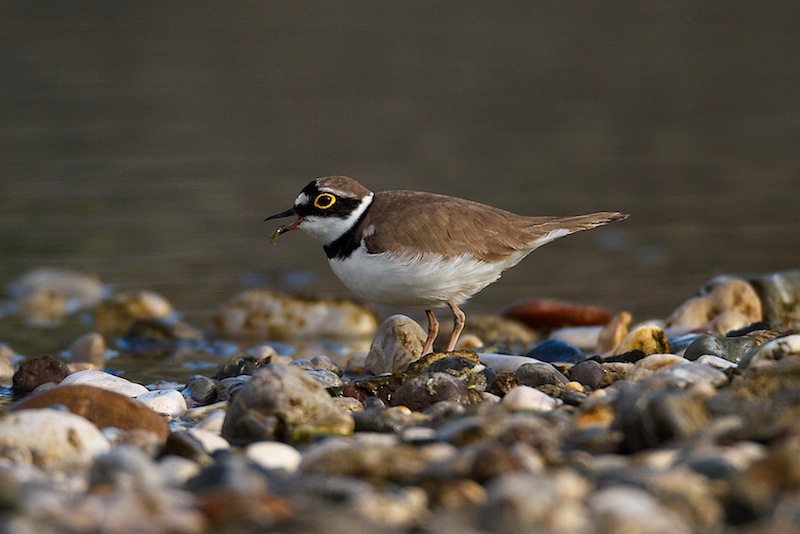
[(420, 250)]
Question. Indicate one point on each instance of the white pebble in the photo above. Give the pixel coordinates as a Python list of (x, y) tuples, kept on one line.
[(274, 455), (210, 441), (102, 380), (528, 398), (503, 363), (167, 402)]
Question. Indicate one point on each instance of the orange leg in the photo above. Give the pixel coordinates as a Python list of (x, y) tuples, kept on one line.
[(433, 331), (459, 319)]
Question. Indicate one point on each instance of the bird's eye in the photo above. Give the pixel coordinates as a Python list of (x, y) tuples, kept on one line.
[(324, 201)]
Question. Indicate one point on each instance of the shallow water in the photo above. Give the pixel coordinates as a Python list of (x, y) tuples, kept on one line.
[(146, 144)]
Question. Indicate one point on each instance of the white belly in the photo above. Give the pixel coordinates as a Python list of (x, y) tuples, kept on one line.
[(416, 282)]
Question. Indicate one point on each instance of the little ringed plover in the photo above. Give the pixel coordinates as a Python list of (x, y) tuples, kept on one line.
[(420, 250)]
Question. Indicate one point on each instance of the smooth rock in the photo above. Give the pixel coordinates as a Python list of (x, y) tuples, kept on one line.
[(284, 403), (201, 389), (780, 295), (527, 502), (102, 380), (647, 339), (46, 296), (126, 468), (504, 363), (328, 379), (90, 348), (228, 387), (732, 349), (774, 350), (374, 456), (685, 374), (117, 314), (539, 374), (102, 407), (274, 455), (526, 398), (494, 330), (50, 439), (588, 372), (168, 402), (34, 372), (614, 332), (716, 362), (654, 363), (583, 337), (556, 351), (420, 392), (732, 295), (245, 365), (397, 343), (258, 313), (631, 509), (6, 365), (551, 313), (317, 363)]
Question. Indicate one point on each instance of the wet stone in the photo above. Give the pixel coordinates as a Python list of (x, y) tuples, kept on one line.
[(554, 350), (34, 372), (328, 379), (732, 349), (117, 314)]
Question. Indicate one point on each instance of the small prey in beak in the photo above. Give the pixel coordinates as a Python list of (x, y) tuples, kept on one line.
[(283, 228)]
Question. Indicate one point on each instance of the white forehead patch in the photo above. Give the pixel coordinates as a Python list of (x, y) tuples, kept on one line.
[(301, 199)]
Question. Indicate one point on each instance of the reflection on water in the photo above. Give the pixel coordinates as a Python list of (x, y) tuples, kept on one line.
[(146, 144)]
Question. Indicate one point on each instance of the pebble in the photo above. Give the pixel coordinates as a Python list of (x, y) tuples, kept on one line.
[(780, 296), (102, 380), (397, 343), (539, 374), (90, 348), (422, 391), (583, 337), (732, 349), (731, 295), (556, 351), (34, 372), (452, 442), (258, 313), (167, 402), (117, 314), (274, 455), (102, 407), (494, 330), (50, 439), (646, 339), (550, 313), (45, 296), (528, 398), (588, 372), (504, 363), (284, 403)]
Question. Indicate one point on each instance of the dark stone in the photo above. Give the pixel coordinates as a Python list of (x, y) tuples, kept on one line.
[(539, 374), (419, 392), (34, 372), (202, 389), (240, 365), (182, 444), (556, 351), (589, 373), (732, 349)]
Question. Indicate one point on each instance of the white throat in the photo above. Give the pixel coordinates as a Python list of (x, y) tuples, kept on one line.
[(329, 229)]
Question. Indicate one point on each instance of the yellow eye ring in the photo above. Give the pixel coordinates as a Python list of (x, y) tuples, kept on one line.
[(324, 201)]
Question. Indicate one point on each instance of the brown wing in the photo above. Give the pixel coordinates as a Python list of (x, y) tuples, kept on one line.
[(413, 222)]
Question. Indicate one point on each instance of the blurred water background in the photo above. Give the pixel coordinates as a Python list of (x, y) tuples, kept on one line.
[(146, 141)]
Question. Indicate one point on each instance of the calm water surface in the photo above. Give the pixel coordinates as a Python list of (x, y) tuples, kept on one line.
[(146, 143)]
